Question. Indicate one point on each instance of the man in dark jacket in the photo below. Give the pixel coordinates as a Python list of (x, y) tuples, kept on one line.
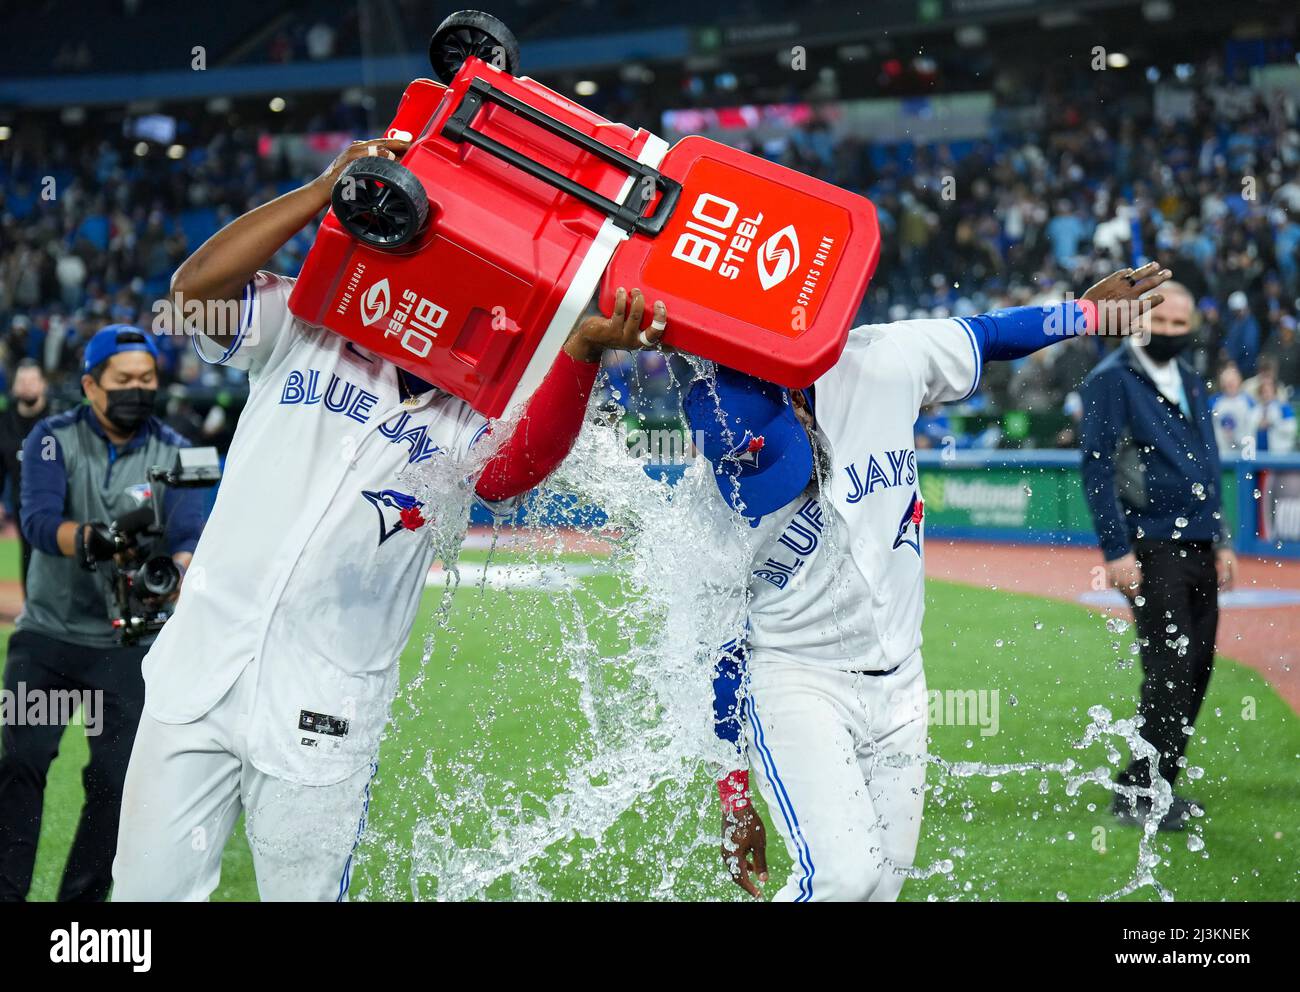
[(1151, 479), (82, 470), (28, 403)]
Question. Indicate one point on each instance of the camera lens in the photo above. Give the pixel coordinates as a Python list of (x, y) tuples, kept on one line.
[(159, 576)]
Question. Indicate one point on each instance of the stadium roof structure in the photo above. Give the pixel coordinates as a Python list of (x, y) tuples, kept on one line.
[(145, 50)]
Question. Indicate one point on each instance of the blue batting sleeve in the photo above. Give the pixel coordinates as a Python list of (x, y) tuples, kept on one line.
[(184, 511), (728, 675), (45, 489), (1015, 332)]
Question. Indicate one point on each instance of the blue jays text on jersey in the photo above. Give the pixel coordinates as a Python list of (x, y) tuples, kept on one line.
[(801, 535), (355, 403), (901, 472)]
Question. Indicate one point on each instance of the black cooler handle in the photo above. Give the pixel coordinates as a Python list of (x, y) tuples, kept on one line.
[(624, 215)]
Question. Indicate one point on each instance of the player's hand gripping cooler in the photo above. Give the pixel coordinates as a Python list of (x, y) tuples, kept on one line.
[(468, 263)]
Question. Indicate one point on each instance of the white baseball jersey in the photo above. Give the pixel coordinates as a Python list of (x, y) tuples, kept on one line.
[(1234, 419), (305, 569), (840, 582), (836, 589), (1280, 432)]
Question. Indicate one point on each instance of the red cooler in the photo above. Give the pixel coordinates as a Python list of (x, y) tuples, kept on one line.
[(762, 268), (509, 205), (468, 262)]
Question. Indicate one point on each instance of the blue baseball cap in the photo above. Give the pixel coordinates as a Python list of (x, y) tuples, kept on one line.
[(748, 431), (114, 339)]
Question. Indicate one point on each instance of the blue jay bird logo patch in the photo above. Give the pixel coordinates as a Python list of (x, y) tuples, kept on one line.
[(746, 453), (397, 511), (909, 527)]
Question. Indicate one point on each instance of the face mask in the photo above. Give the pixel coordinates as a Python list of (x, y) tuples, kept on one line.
[(129, 408), (1163, 347)]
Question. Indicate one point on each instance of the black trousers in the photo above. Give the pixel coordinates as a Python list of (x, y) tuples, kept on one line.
[(1176, 626), (37, 667)]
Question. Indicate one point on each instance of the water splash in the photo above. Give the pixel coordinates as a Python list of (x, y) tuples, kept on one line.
[(644, 711), (1105, 729), (644, 742)]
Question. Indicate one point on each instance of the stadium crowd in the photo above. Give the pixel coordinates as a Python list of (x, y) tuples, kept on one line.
[(90, 232), (1213, 195)]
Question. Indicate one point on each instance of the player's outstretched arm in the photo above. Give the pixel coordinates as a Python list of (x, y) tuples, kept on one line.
[(1124, 297), (944, 357), (1114, 305), (551, 421), (223, 265)]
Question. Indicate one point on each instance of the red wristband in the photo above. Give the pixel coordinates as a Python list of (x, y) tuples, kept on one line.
[(733, 790), (1089, 310)]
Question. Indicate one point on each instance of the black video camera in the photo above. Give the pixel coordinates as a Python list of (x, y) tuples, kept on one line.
[(144, 583)]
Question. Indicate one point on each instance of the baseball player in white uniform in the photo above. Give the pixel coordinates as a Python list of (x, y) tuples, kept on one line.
[(268, 689), (824, 692)]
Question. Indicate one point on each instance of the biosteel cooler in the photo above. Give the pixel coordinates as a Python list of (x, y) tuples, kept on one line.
[(469, 263), (761, 268)]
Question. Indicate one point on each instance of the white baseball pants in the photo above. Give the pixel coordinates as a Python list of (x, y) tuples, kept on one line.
[(840, 762), (185, 788)]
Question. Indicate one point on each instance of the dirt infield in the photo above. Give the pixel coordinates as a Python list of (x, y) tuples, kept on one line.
[(1259, 624)]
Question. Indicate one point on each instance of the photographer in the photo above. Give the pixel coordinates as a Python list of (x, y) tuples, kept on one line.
[(83, 471)]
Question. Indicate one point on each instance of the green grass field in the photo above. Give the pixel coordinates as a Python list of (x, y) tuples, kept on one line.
[(489, 733)]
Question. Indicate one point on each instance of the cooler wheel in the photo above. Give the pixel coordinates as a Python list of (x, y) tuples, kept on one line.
[(472, 32), (380, 202)]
